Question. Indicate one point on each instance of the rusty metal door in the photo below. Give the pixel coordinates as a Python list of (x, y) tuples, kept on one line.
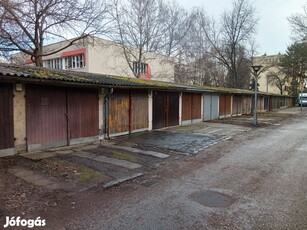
[(46, 116), (82, 112), (139, 108), (6, 116), (119, 112)]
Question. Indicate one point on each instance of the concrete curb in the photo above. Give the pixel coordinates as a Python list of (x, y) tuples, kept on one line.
[(113, 161), (134, 150), (121, 180)]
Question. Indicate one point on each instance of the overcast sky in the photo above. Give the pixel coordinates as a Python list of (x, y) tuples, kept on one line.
[(273, 31)]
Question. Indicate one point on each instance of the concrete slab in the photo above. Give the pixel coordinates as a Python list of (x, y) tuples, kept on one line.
[(187, 143), (143, 152), (113, 161), (35, 178), (121, 180)]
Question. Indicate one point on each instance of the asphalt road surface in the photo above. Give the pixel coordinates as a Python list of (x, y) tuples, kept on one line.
[(258, 182)]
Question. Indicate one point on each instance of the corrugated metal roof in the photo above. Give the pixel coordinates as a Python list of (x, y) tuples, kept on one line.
[(28, 73)]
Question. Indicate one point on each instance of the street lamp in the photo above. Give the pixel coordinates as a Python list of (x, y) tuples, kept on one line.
[(256, 69)]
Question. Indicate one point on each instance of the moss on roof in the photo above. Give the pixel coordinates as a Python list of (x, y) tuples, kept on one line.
[(27, 72)]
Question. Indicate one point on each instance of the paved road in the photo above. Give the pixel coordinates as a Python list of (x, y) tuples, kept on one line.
[(263, 174)]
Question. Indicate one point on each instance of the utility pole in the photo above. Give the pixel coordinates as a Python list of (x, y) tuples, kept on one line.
[(256, 69)]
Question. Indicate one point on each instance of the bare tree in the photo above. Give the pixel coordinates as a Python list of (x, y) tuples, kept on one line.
[(279, 81), (142, 27), (178, 23), (229, 40), (137, 28), (28, 25), (299, 24)]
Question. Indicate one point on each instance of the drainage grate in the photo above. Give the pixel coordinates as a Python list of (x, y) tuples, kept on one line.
[(213, 199)]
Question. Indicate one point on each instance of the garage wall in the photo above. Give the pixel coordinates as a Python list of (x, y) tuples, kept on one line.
[(20, 119)]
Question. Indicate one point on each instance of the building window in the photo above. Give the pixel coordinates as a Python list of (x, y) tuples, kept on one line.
[(53, 63), (139, 68), (70, 62)]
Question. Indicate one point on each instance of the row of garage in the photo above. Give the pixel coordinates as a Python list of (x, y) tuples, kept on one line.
[(35, 116)]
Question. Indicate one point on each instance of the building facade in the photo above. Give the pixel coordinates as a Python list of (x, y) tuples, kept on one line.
[(96, 55), (271, 78)]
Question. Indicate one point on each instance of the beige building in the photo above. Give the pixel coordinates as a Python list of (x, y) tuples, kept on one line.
[(271, 79), (96, 55)]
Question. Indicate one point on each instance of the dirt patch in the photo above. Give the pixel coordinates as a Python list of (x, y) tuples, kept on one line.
[(20, 198), (264, 119), (64, 170)]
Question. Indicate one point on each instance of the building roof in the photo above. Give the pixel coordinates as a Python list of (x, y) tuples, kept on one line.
[(28, 73)]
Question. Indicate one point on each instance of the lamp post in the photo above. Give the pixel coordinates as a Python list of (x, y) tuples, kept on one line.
[(256, 69)]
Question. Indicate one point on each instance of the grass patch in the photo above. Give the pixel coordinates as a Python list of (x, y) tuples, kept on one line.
[(65, 170), (123, 156), (34, 166), (88, 173)]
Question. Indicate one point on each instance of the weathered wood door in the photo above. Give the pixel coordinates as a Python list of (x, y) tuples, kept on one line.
[(224, 105), (139, 107), (128, 111), (6, 116), (191, 107), (237, 105), (119, 112)]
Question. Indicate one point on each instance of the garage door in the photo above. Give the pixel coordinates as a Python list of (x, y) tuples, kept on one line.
[(191, 107), (165, 109), (6, 119), (56, 115)]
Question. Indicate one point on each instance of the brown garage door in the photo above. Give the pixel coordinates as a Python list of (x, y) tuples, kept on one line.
[(224, 105), (46, 117), (186, 106), (6, 116), (165, 109), (237, 105), (128, 111), (119, 112), (83, 113), (139, 108), (57, 114), (196, 106), (191, 106)]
